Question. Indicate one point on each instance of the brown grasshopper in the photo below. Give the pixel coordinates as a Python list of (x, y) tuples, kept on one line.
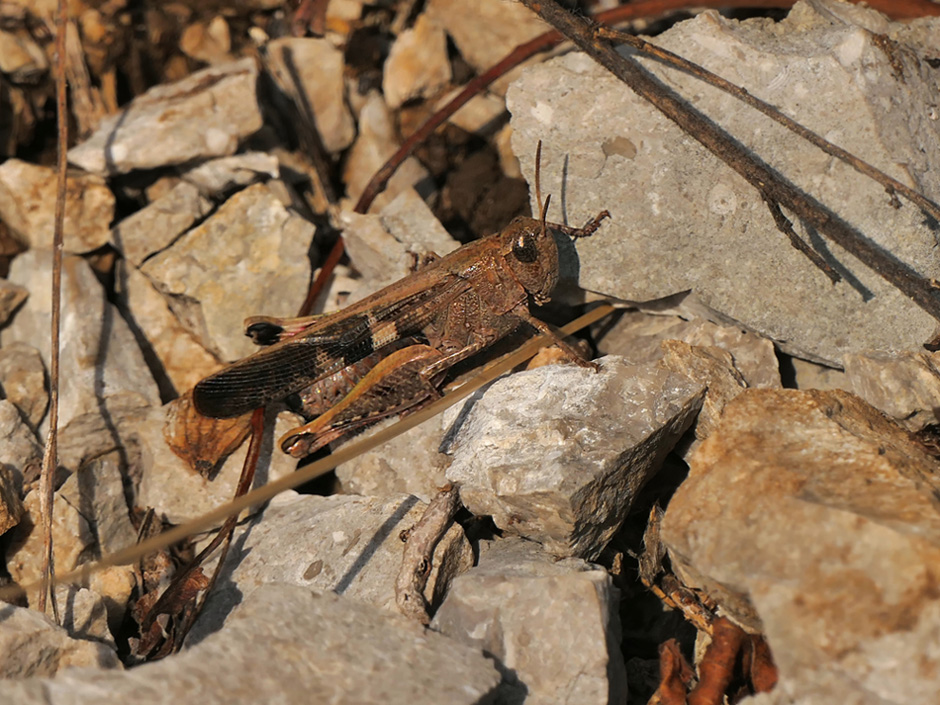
[(388, 353)]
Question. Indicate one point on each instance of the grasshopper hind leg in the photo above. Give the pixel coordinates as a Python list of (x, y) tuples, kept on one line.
[(397, 384)]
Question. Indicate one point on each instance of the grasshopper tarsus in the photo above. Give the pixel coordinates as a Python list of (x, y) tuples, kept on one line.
[(570, 352), (588, 229)]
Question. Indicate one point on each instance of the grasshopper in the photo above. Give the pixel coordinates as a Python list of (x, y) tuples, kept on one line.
[(388, 353)]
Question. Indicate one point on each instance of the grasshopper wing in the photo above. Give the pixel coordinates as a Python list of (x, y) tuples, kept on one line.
[(259, 379), (338, 340)]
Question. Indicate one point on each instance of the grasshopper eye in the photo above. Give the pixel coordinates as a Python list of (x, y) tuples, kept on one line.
[(524, 248)]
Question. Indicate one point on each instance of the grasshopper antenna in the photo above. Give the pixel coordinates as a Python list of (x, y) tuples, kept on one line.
[(543, 207), (589, 228)]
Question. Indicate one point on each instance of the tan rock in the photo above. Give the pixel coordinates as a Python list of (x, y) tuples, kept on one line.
[(99, 356), (11, 506), (27, 206), (377, 141), (155, 226), (90, 519), (23, 380), (249, 258), (417, 65), (32, 645), (207, 41), (905, 386), (20, 452), (712, 367), (486, 30), (184, 359), (812, 516), (204, 115), (11, 296), (318, 66), (20, 57)]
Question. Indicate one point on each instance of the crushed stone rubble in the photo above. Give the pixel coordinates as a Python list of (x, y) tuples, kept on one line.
[(786, 425)]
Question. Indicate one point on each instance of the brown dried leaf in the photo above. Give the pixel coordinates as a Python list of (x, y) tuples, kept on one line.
[(160, 619), (675, 675), (716, 670), (202, 442), (762, 670)]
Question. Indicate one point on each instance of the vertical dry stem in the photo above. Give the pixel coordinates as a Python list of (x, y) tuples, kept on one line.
[(50, 456)]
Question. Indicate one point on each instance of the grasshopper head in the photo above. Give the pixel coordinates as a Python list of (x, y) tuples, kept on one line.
[(532, 256)]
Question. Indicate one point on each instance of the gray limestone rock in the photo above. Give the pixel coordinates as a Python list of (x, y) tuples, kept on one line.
[(410, 463), (27, 206), (814, 518), (84, 614), (345, 544), (101, 431), (20, 451), (176, 491), (318, 66), (23, 381), (248, 258), (553, 626), (638, 336), (682, 220), (33, 646), (289, 645), (386, 247), (99, 356), (218, 176), (90, 519), (558, 454), (154, 227), (204, 115)]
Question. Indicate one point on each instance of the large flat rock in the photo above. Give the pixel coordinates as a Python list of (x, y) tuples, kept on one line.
[(683, 221)]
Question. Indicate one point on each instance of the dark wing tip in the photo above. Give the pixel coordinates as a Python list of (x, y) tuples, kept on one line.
[(257, 380), (216, 397)]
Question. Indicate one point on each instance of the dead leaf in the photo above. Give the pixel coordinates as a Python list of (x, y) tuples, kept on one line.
[(202, 442)]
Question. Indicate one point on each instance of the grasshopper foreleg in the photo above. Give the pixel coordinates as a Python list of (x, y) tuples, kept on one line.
[(542, 327)]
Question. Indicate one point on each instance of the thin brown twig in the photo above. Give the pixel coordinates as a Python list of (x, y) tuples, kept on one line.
[(224, 537), (891, 185), (50, 455), (768, 183)]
